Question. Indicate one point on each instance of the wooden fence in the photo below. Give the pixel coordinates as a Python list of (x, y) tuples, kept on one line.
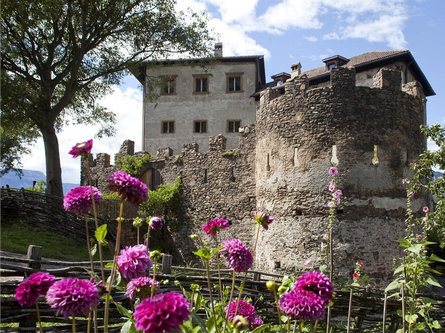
[(366, 310)]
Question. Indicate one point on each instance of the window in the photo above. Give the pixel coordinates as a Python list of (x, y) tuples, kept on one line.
[(168, 85), (200, 84), (200, 126), (331, 66), (233, 82), (233, 126), (168, 127)]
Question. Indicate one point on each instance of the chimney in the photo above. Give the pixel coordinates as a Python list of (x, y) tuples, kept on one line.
[(296, 69), (218, 50)]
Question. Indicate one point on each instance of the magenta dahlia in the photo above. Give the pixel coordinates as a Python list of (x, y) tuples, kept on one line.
[(302, 304), (237, 255), (213, 226), (161, 313), (263, 219), (156, 223), (82, 148), (245, 309), (257, 322), (129, 188), (30, 289), (134, 261), (72, 297), (317, 283), (78, 200), (141, 288)]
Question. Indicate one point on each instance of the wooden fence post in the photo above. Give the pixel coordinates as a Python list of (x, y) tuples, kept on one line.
[(30, 320), (167, 264)]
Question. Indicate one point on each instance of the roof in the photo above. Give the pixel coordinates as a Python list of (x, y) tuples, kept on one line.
[(371, 60), (140, 70)]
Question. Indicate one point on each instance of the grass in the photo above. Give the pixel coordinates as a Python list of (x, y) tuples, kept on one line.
[(17, 236)]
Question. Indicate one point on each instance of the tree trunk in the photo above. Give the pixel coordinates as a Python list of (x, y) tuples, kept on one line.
[(53, 169)]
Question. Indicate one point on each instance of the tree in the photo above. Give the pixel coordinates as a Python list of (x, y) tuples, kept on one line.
[(62, 55)]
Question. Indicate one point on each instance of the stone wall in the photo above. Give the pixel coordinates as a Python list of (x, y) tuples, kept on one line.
[(299, 133)]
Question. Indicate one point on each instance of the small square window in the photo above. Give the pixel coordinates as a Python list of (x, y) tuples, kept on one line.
[(233, 126), (168, 127), (168, 85), (332, 65), (234, 82), (200, 126), (200, 84)]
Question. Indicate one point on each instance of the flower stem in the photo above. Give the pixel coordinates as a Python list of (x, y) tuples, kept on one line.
[(74, 324), (256, 240), (154, 279), (87, 233), (210, 293), (219, 272), (230, 300), (138, 234), (301, 326), (278, 308), (147, 240), (38, 317), (113, 269), (89, 321), (241, 289), (102, 272), (315, 326)]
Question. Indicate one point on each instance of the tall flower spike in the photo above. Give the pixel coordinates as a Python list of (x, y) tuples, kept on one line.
[(78, 200), (30, 289), (161, 313), (82, 148), (72, 297), (237, 255), (128, 187)]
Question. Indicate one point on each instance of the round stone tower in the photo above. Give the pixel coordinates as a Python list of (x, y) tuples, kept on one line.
[(372, 134)]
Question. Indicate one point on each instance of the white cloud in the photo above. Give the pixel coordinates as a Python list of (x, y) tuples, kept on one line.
[(311, 38), (128, 107), (331, 36)]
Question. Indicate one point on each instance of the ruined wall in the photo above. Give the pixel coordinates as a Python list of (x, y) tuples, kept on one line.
[(297, 134)]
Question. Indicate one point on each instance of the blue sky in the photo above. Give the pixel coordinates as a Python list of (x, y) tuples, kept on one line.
[(286, 31)]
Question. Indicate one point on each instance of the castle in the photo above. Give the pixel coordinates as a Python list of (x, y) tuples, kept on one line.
[(281, 166)]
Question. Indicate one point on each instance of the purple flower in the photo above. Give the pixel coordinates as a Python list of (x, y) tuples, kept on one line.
[(257, 322), (72, 297), (215, 225), (302, 304), (129, 188), (263, 219), (78, 200), (337, 194), (156, 223), (141, 288), (161, 313), (411, 195), (419, 236), (426, 209), (30, 289), (331, 204), (82, 148), (134, 261), (245, 309), (331, 186), (317, 283), (333, 171), (237, 255)]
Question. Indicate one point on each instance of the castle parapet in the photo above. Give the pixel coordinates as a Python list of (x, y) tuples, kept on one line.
[(164, 152), (388, 79), (102, 160), (190, 147), (413, 88), (217, 143), (343, 79), (127, 148)]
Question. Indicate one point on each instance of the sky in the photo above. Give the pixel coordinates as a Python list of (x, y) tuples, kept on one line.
[(284, 31)]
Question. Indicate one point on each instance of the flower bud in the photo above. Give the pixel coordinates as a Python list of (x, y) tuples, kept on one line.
[(194, 237), (240, 322), (271, 285)]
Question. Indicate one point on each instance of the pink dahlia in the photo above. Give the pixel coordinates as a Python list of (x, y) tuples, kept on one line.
[(257, 322), (215, 225), (263, 219), (128, 187), (30, 289), (141, 288), (72, 297), (134, 261), (317, 283), (237, 255), (302, 304), (161, 313), (78, 200), (245, 309), (333, 171), (156, 223), (82, 148)]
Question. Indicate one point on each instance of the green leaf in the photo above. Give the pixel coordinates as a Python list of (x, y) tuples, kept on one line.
[(261, 328), (393, 285), (436, 324), (206, 254), (109, 265), (436, 258), (416, 248), (128, 327), (123, 311), (411, 318), (432, 281), (100, 233)]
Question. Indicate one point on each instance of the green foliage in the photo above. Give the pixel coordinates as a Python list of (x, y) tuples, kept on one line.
[(111, 196), (230, 153), (132, 164), (423, 180), (65, 56), (165, 198), (39, 187)]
